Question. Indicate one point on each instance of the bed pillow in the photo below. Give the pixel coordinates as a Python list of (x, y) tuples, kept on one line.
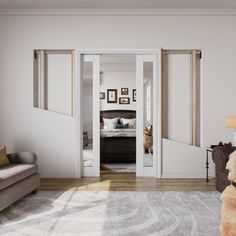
[(130, 122), (121, 126), (110, 123), (3, 156)]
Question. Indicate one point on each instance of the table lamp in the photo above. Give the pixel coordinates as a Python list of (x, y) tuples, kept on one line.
[(230, 122)]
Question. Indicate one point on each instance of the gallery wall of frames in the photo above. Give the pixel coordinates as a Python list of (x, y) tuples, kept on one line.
[(118, 90)]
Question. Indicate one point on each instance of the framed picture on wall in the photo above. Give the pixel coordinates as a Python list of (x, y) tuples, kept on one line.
[(111, 95), (102, 95), (124, 91), (124, 100), (134, 95)]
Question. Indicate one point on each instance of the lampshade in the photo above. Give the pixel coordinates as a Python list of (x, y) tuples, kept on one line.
[(230, 122)]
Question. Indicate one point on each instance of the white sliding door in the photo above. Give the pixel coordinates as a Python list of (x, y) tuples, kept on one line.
[(181, 115), (90, 115), (148, 98), (179, 98), (59, 82), (181, 94), (54, 75)]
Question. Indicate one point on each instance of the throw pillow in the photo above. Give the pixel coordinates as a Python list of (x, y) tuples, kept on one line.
[(110, 124), (131, 122), (125, 126), (3, 156)]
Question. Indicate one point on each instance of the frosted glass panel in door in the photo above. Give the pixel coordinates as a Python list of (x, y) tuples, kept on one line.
[(148, 125), (147, 114), (91, 115), (87, 113)]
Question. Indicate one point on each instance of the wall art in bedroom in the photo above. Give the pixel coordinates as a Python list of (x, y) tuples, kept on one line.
[(124, 91), (124, 100), (102, 95), (111, 95), (134, 95)]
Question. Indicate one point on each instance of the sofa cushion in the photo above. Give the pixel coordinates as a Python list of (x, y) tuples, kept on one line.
[(3, 156), (13, 173)]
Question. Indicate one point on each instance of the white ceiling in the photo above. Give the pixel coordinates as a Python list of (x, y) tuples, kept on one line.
[(96, 4)]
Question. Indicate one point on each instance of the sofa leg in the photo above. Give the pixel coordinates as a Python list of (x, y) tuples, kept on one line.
[(34, 191)]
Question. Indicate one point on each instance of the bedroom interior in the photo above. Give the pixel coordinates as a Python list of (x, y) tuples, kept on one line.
[(118, 137), (117, 117)]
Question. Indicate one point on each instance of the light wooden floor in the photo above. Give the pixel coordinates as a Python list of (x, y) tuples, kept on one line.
[(126, 182)]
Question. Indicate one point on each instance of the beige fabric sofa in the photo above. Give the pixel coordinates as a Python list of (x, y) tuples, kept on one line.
[(19, 178)]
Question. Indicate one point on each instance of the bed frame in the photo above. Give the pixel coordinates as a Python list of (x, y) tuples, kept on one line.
[(118, 149)]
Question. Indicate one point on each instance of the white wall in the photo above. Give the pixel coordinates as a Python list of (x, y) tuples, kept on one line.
[(118, 80), (183, 160), (52, 136)]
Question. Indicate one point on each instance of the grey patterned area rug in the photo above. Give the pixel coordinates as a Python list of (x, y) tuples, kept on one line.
[(73, 213), (120, 167), (128, 167)]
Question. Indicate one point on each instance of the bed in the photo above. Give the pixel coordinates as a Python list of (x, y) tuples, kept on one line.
[(117, 145)]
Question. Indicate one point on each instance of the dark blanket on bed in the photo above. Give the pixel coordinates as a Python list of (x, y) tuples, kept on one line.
[(118, 149)]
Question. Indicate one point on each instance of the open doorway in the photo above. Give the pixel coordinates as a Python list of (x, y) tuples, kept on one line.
[(119, 100), (118, 113)]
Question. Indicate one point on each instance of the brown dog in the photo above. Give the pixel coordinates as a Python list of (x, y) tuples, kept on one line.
[(148, 139)]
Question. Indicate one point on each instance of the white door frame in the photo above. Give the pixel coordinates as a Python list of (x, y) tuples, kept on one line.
[(79, 126)]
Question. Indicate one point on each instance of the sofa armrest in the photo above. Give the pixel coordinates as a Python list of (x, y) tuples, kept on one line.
[(23, 157)]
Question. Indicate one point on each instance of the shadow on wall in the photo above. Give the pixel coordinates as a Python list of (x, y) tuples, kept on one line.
[(23, 144)]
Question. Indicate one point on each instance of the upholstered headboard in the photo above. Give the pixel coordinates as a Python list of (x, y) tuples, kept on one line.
[(110, 114)]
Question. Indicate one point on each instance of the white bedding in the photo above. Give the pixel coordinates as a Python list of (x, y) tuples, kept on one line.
[(118, 133)]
